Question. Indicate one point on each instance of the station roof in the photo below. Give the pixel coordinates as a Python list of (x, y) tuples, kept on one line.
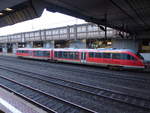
[(128, 15)]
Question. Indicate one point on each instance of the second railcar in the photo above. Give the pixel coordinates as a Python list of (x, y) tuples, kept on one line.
[(36, 53)]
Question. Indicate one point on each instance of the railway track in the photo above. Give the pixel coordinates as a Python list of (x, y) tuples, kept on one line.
[(112, 83), (126, 77), (48, 102), (92, 90), (137, 87)]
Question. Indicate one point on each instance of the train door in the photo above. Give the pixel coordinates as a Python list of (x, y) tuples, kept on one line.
[(83, 57), (30, 53)]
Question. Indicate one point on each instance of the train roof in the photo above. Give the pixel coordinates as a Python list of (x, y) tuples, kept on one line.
[(114, 49), (75, 49), (34, 49), (98, 50)]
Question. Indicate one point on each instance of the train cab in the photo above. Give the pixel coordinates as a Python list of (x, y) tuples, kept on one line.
[(118, 58)]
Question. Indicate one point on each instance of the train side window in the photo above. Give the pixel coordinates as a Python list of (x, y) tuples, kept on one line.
[(73, 55), (76, 55), (70, 55), (116, 56), (127, 57), (91, 54), (131, 57), (18, 51), (56, 54), (46, 53), (106, 55), (37, 53), (24, 51), (98, 55), (60, 54), (64, 54), (41, 53), (30, 52)]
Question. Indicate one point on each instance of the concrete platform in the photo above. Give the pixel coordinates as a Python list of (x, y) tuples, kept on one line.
[(10, 103), (7, 54)]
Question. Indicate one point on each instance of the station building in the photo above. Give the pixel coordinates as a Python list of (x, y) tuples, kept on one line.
[(87, 35)]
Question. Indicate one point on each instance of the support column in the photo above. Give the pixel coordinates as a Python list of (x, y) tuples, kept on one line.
[(15, 46), (29, 45), (4, 49), (78, 44), (125, 44), (1, 47), (49, 44)]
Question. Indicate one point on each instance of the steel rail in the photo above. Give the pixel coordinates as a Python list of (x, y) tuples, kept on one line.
[(50, 95), (113, 95)]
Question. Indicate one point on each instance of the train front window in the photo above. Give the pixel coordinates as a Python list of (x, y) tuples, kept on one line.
[(140, 56)]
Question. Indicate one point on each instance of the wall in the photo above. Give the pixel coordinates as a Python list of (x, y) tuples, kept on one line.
[(125, 44), (146, 56), (49, 44)]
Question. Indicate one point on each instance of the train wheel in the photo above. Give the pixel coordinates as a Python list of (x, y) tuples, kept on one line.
[(120, 68), (110, 67)]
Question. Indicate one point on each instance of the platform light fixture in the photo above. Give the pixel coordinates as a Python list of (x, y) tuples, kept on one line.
[(109, 43), (8, 9), (1, 14)]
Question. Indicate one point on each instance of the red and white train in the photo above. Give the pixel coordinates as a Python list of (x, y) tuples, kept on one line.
[(121, 58)]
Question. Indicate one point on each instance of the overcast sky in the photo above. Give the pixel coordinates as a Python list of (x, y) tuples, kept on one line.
[(47, 20)]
